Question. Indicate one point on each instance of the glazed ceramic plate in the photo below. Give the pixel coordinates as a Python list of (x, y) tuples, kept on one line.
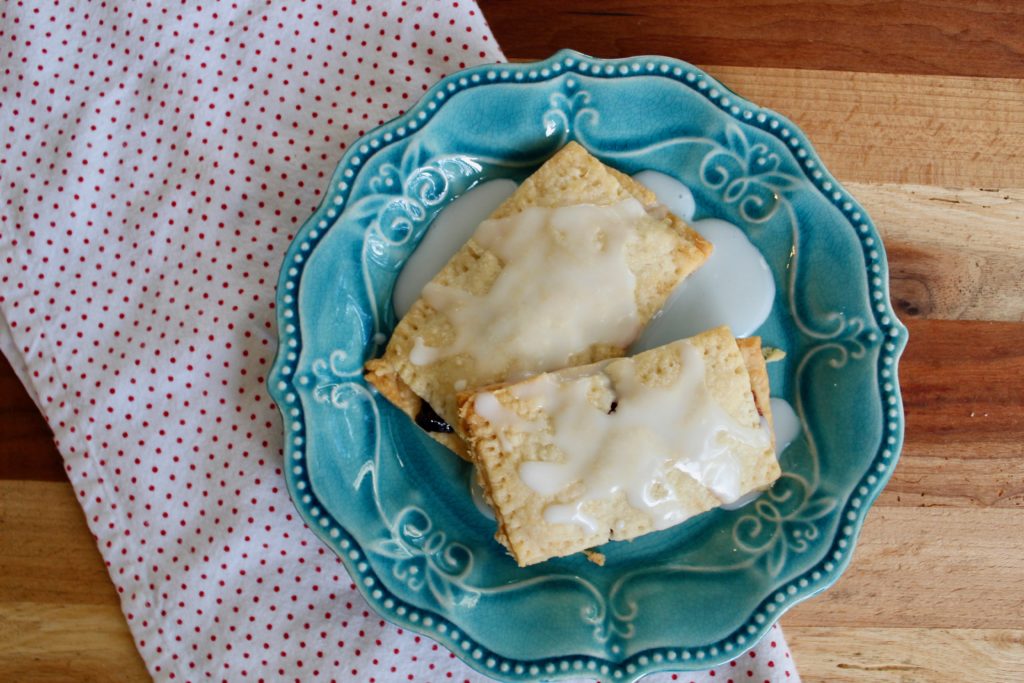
[(396, 506)]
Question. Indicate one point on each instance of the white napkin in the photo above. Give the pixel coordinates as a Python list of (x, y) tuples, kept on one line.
[(156, 162)]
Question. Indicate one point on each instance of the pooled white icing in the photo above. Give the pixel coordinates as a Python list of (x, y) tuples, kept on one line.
[(564, 286), (787, 423), (671, 193), (631, 449), (787, 429), (451, 228), (421, 354), (734, 287), (479, 498)]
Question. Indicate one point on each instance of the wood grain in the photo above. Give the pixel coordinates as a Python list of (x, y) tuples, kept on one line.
[(42, 643), (956, 254), (884, 128), (40, 539), (964, 404), (906, 655), (26, 442), (927, 36), (928, 568), (60, 619)]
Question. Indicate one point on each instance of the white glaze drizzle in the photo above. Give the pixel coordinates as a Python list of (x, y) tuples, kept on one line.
[(535, 317), (448, 232), (632, 449), (787, 423), (476, 492)]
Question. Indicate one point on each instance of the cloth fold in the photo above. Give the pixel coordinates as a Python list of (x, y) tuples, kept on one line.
[(156, 162)]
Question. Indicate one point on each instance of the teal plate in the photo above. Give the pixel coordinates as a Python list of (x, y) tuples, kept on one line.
[(395, 505)]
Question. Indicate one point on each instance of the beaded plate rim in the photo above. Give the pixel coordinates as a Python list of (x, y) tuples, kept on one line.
[(439, 627)]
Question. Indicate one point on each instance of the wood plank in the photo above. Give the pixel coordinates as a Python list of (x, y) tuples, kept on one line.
[(927, 568), (965, 419), (46, 643), (906, 655), (49, 555), (884, 128), (60, 619), (892, 128), (927, 36), (26, 442), (956, 254)]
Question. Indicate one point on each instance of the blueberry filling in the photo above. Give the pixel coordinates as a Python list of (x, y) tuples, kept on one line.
[(430, 421)]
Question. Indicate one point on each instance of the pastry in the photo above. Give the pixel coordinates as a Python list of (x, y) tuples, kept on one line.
[(614, 450)]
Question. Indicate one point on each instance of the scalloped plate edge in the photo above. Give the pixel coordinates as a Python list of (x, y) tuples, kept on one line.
[(436, 626)]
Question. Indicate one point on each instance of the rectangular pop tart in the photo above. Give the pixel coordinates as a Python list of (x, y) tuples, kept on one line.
[(617, 449)]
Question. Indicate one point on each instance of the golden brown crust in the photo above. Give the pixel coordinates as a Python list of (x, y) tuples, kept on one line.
[(757, 368), (391, 387), (648, 199), (500, 450)]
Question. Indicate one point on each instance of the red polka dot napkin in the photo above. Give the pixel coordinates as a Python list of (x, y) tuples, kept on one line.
[(157, 159)]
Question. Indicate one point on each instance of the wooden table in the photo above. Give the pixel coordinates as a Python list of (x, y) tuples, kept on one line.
[(918, 108)]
